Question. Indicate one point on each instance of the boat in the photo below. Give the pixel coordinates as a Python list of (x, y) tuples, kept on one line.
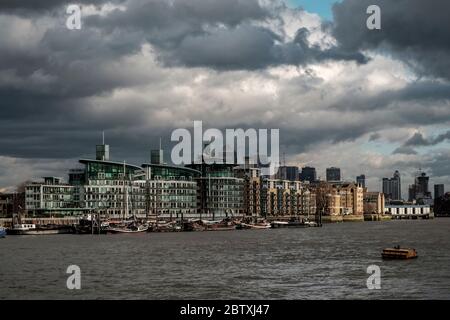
[(88, 225), (193, 225), (130, 228), (2, 232), (279, 224), (224, 225), (312, 223), (399, 253), (32, 229), (165, 226), (220, 227), (289, 224), (259, 225)]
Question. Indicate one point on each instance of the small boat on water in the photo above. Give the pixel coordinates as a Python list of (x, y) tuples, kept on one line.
[(130, 228), (2, 232), (311, 223), (224, 225), (32, 229), (289, 224), (220, 228), (259, 225), (399, 253), (166, 226)]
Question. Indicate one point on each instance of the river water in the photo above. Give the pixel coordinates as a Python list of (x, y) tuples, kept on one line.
[(314, 263)]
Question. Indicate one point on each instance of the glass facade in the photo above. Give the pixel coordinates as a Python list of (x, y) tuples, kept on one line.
[(221, 192), (171, 191), (105, 170)]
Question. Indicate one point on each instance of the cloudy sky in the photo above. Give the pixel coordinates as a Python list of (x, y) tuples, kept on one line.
[(368, 101)]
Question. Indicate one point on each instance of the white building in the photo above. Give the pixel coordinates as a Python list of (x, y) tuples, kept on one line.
[(408, 210)]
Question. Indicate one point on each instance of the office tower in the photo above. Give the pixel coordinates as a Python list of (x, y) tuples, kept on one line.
[(333, 174), (287, 173), (361, 180), (438, 191), (392, 187), (308, 174), (419, 190)]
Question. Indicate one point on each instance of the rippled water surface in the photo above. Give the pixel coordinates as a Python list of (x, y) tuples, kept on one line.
[(314, 263)]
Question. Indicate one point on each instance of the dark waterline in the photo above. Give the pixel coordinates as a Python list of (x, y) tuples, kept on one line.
[(312, 263)]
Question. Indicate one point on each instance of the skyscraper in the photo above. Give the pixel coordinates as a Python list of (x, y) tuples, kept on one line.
[(292, 173), (439, 191), (392, 187), (308, 174), (361, 180), (419, 190), (333, 174), (287, 173)]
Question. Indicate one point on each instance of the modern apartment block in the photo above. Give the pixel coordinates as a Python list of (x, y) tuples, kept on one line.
[(112, 188), (170, 191), (206, 191), (53, 197), (220, 191)]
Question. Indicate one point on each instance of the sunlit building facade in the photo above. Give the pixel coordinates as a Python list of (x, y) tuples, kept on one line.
[(170, 191)]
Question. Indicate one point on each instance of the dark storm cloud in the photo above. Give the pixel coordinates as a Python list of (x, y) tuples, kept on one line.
[(250, 47), (54, 76), (374, 137), (47, 111), (217, 34), (38, 6), (415, 31), (166, 23), (419, 140), (404, 150)]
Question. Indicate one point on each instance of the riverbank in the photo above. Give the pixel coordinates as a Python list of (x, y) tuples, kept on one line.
[(7, 222)]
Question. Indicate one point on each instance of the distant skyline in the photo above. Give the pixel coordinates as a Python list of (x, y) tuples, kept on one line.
[(369, 102)]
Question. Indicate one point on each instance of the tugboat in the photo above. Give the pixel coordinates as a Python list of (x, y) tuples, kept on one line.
[(399, 253), (2, 232)]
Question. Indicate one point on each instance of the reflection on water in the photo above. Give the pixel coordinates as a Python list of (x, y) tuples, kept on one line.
[(314, 263)]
